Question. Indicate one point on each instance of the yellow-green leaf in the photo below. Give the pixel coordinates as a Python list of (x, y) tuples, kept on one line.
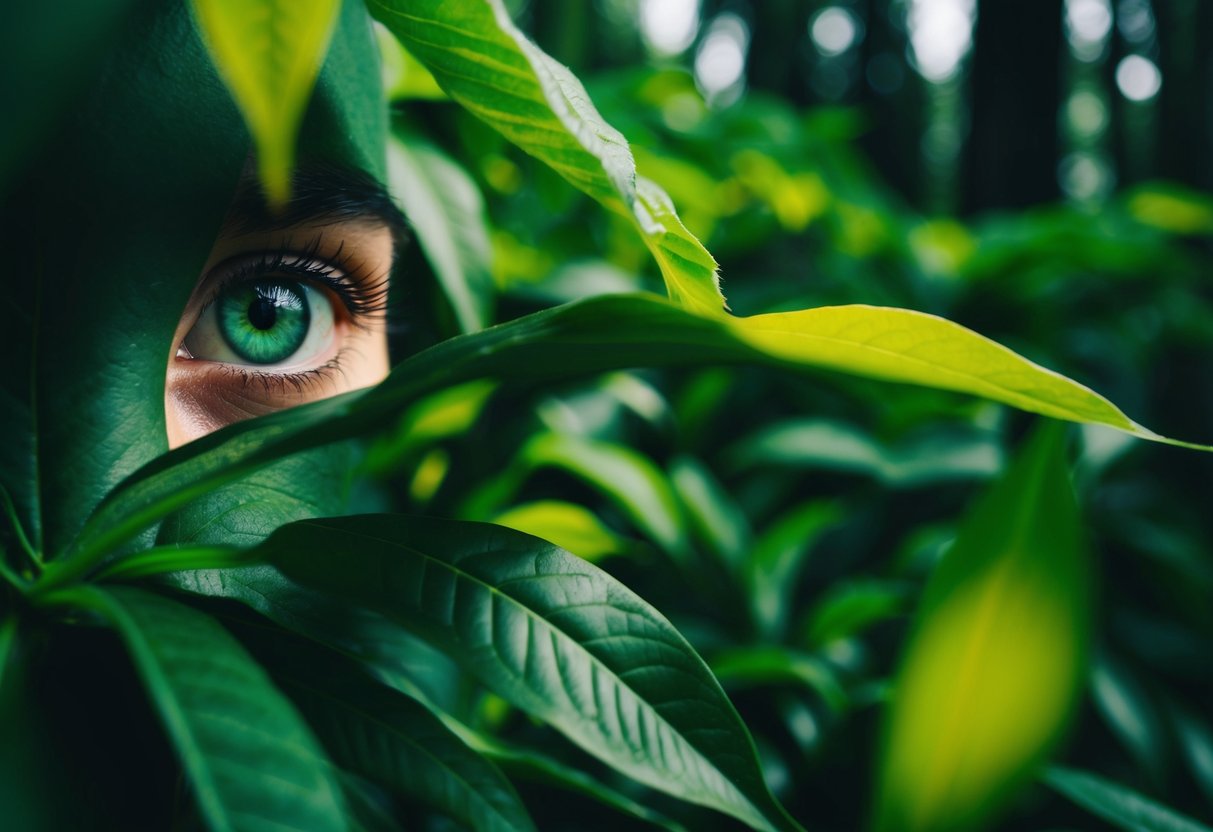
[(568, 525), (998, 654), (917, 348), (484, 63), (269, 53)]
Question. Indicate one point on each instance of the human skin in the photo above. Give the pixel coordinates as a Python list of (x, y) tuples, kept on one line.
[(111, 223), (202, 395)]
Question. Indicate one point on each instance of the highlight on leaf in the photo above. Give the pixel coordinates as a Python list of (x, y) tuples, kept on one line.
[(269, 53)]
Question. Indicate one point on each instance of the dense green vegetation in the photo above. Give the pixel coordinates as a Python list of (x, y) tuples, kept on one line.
[(599, 554)]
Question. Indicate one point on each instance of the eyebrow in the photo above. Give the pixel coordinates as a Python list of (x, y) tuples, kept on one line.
[(320, 193)]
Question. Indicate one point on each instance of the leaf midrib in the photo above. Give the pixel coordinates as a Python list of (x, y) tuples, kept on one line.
[(535, 616)]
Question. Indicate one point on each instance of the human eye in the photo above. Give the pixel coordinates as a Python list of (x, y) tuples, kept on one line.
[(277, 313), (272, 325)]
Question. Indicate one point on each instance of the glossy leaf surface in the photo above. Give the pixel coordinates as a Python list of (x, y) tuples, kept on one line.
[(552, 634), (485, 63)]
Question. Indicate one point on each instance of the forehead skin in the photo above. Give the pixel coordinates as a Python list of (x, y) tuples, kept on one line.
[(112, 223)]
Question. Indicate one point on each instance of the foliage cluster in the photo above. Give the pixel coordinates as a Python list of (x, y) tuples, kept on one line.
[(804, 528)]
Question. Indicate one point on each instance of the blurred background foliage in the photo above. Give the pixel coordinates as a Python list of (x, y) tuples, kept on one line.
[(1038, 171)]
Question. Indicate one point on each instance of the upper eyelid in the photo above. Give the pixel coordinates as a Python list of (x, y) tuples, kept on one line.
[(362, 295)]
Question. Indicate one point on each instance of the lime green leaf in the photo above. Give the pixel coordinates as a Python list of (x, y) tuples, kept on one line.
[(484, 63), (446, 210), (403, 77), (552, 634), (998, 654), (269, 53), (582, 339), (914, 347), (251, 760), (568, 525), (1117, 804), (1172, 208)]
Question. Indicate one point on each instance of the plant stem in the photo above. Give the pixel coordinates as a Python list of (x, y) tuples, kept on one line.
[(176, 559), (156, 561), (18, 530)]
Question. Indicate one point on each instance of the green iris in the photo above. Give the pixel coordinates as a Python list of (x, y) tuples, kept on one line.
[(264, 322)]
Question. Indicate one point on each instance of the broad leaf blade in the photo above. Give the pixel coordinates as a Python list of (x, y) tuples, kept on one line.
[(251, 760), (554, 635), (269, 53), (483, 62), (1120, 806), (576, 340), (998, 655)]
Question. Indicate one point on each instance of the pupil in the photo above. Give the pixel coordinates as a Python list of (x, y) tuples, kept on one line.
[(262, 313)]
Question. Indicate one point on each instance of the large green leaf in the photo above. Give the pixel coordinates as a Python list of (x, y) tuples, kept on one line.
[(446, 210), (483, 62), (1117, 804), (251, 760), (554, 635), (581, 339), (269, 52), (387, 737), (998, 655)]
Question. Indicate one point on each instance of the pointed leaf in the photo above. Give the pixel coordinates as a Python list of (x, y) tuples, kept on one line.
[(446, 210), (997, 658), (552, 634), (269, 53), (576, 340), (251, 760), (482, 61), (1120, 806)]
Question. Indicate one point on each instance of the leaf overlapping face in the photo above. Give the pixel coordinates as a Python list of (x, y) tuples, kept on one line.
[(269, 52)]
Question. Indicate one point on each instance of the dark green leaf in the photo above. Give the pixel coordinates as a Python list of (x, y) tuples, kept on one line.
[(251, 760), (579, 339), (552, 634), (1120, 806), (389, 738)]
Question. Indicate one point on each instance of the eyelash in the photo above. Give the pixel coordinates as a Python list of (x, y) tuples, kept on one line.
[(363, 296)]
